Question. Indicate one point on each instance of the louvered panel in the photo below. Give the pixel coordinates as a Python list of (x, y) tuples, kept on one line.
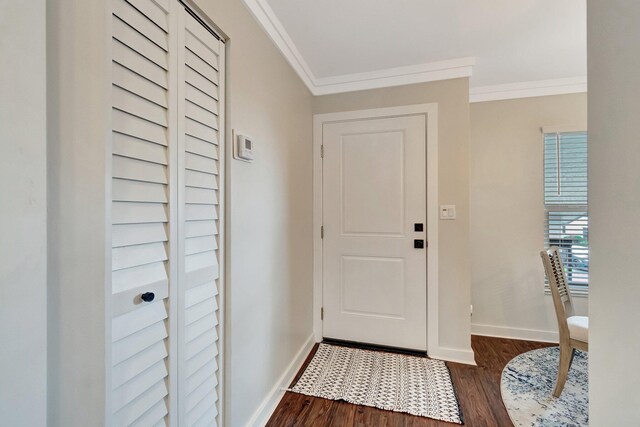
[(199, 360), (199, 310), (129, 58), (134, 366), (131, 213), (129, 346), (200, 244), (125, 167), (163, 4), (208, 419), (141, 404), (199, 138), (200, 131), (200, 276), (202, 341), (138, 106), (153, 417), (201, 115), (203, 148), (199, 327), (153, 12), (143, 142), (201, 196), (128, 146), (201, 293), (124, 190), (199, 261), (135, 83), (201, 67), (132, 256), (136, 234), (132, 278), (202, 92), (200, 392), (147, 315), (201, 180), (203, 50), (131, 38), (201, 228), (128, 124), (201, 164), (201, 376), (196, 29), (133, 17), (128, 300), (200, 212), (202, 407), (134, 388)]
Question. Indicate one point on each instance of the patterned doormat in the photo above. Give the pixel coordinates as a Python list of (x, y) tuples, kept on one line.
[(528, 381), (394, 382)]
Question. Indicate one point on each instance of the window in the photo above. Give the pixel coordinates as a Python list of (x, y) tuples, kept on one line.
[(566, 203)]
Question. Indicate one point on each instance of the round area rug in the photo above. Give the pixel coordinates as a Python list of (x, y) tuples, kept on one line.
[(528, 381)]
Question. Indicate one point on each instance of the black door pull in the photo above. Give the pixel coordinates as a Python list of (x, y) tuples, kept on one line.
[(147, 296), (418, 244)]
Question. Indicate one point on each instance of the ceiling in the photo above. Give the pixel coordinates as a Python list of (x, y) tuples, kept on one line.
[(505, 45)]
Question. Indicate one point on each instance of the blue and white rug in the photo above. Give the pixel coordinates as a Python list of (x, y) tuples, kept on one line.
[(528, 381)]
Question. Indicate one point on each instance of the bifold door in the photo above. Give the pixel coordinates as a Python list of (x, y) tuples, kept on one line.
[(167, 163)]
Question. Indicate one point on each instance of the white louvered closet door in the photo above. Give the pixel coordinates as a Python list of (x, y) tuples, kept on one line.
[(200, 121), (143, 137), (166, 215)]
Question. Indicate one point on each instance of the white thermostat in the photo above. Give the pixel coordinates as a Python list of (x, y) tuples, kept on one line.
[(244, 148)]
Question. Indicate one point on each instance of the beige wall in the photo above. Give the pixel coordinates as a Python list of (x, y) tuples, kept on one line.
[(269, 283), (452, 97), (507, 214), (23, 214), (614, 192)]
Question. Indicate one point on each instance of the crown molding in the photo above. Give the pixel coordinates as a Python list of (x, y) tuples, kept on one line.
[(528, 89), (420, 73), (428, 72), (263, 13)]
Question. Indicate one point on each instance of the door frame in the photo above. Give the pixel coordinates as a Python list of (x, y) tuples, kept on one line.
[(430, 111)]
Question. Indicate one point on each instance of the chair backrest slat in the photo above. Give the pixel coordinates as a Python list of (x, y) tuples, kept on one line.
[(558, 284)]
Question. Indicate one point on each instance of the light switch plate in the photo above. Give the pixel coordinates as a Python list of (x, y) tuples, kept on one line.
[(447, 211)]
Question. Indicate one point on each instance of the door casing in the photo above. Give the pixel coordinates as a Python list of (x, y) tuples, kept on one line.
[(430, 111)]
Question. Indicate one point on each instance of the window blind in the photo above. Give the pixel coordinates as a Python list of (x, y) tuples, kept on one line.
[(566, 202)]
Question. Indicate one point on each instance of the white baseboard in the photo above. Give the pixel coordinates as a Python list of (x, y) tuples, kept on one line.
[(514, 333), (453, 355), (270, 402)]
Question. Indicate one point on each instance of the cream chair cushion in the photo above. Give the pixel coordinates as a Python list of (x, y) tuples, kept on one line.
[(578, 328)]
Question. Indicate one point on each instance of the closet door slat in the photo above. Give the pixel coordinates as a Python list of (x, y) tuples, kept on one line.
[(200, 171)]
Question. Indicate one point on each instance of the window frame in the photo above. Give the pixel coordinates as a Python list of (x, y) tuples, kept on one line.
[(575, 290)]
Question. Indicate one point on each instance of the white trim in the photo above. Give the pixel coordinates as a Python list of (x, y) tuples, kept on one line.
[(398, 76), (528, 89), (578, 127), (454, 355), (428, 72), (514, 333), (431, 111), (270, 402), (263, 13)]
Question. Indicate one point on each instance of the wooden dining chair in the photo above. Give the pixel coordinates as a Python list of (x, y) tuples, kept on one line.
[(573, 330)]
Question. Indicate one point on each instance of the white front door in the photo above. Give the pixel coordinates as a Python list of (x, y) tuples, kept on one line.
[(374, 217)]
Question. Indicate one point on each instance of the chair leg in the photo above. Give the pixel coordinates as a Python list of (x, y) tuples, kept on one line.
[(566, 357)]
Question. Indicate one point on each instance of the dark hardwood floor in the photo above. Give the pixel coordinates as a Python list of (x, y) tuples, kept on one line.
[(477, 387)]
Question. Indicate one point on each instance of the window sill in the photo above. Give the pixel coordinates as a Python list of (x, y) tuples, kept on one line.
[(575, 292)]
